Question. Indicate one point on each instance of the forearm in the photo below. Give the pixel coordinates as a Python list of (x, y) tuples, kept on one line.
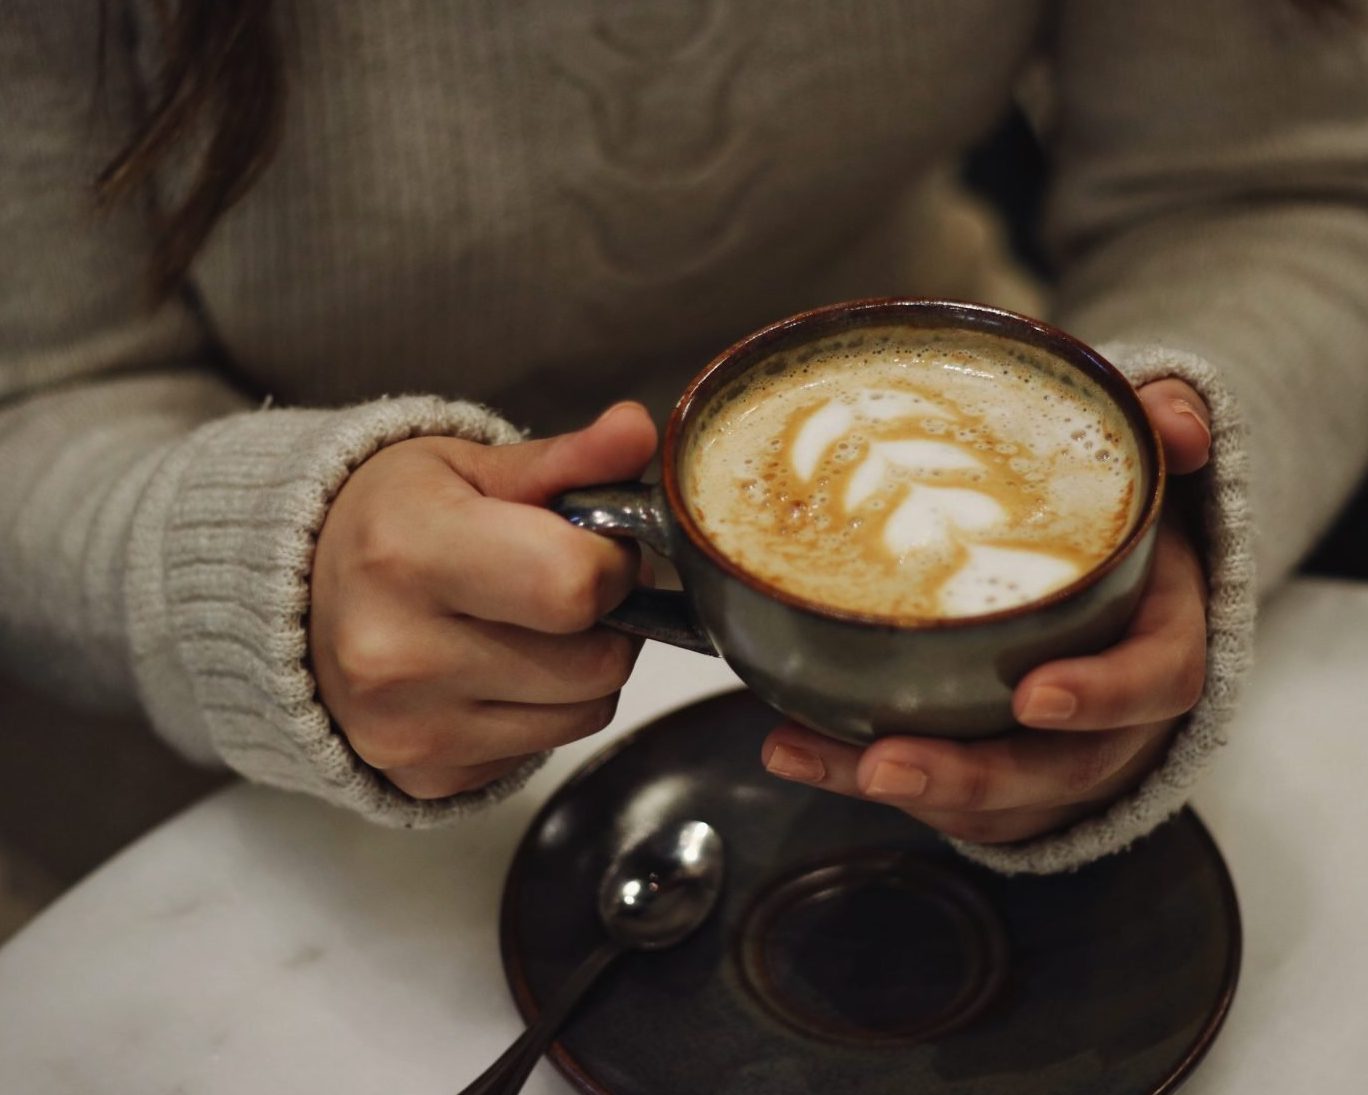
[(77, 461), (163, 541), (1272, 298)]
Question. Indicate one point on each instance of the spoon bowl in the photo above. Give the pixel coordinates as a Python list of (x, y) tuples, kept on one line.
[(654, 894), (660, 889)]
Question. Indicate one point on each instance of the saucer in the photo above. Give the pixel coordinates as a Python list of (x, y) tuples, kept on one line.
[(853, 951)]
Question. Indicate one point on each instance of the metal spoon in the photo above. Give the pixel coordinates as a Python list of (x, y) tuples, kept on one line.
[(654, 894)]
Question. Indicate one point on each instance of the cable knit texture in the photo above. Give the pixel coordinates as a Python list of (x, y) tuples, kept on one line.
[(544, 207)]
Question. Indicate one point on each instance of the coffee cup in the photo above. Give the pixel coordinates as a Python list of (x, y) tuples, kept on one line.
[(884, 513)]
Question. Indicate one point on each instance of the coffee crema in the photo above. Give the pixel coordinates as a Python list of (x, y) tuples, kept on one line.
[(912, 474)]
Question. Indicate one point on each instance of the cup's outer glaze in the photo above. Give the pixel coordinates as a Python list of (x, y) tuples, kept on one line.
[(859, 678), (859, 681)]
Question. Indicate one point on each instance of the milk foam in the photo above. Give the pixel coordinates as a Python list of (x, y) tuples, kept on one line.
[(915, 474), (998, 576), (886, 458), (930, 517)]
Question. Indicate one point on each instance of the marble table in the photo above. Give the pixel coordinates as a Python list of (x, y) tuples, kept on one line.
[(262, 942)]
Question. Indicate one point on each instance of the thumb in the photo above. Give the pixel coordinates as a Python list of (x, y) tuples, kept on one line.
[(616, 446), (1183, 422)]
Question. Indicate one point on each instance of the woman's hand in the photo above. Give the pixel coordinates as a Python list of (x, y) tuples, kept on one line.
[(1098, 724), (452, 621)]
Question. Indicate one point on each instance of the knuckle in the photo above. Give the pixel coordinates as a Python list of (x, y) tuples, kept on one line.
[(974, 788), (1131, 682), (391, 744), (1190, 681), (383, 547), (1120, 697), (371, 659), (594, 715), (612, 658), (1087, 766), (573, 594), (435, 783)]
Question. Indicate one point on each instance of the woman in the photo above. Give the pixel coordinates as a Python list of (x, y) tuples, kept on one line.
[(541, 208)]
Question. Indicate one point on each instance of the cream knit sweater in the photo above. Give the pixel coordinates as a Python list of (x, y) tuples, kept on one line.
[(545, 206)]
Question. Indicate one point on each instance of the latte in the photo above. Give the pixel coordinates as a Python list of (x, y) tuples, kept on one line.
[(909, 474)]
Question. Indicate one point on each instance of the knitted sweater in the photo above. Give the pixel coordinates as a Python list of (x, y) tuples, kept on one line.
[(541, 207)]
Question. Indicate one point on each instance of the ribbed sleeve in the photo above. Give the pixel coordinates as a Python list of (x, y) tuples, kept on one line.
[(217, 591)]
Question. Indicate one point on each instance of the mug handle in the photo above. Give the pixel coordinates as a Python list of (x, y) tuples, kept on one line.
[(637, 511)]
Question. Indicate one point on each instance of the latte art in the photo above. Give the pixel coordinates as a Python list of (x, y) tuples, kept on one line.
[(912, 474)]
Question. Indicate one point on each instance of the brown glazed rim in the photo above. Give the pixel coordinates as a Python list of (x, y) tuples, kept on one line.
[(916, 312)]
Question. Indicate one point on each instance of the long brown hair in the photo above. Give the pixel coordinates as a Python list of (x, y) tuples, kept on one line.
[(221, 80)]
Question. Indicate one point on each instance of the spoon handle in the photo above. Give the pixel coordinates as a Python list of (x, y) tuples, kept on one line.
[(507, 1075)]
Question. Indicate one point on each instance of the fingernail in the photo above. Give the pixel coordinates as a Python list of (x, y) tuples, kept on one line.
[(1182, 406), (613, 410), (1046, 703), (894, 780), (796, 764)]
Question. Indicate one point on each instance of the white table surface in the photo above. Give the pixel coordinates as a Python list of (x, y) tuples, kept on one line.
[(262, 942)]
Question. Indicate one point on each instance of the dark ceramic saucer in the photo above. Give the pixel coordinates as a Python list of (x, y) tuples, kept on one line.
[(852, 952)]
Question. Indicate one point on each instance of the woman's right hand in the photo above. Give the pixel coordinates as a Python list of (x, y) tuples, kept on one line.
[(452, 625)]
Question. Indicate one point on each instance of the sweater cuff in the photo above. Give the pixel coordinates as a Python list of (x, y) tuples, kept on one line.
[(1230, 625), (217, 594)]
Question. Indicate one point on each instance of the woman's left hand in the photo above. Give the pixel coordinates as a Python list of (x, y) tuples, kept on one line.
[(1097, 725)]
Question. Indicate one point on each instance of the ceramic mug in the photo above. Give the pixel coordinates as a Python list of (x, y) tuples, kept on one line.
[(854, 677)]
